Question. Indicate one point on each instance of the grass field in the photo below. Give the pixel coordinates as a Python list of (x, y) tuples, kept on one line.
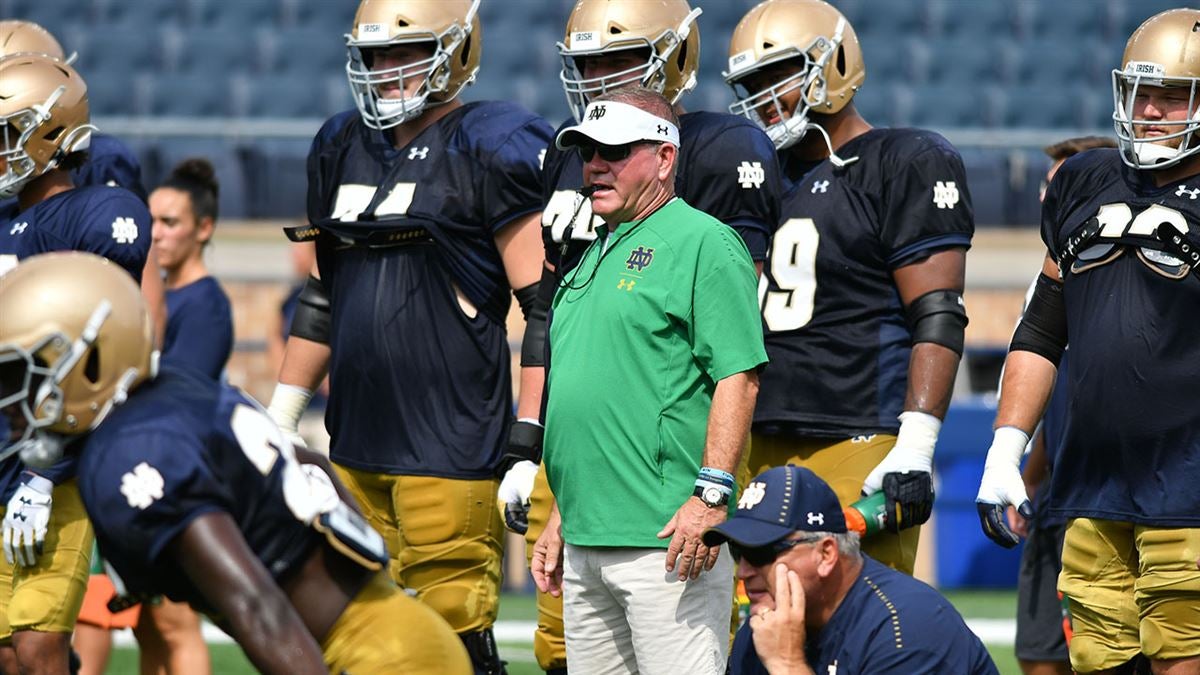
[(228, 659)]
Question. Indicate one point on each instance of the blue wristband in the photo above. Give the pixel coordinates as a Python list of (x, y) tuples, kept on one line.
[(716, 476)]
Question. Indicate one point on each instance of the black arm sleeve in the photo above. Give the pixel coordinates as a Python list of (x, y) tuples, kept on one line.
[(311, 321), (1043, 327), (535, 302), (939, 317)]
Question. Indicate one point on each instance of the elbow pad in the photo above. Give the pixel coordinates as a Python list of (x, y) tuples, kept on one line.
[(939, 317), (1043, 326), (311, 320), (535, 302)]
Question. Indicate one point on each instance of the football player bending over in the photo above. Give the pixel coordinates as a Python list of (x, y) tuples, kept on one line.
[(195, 494)]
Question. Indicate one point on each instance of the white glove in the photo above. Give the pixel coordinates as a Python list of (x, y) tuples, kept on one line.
[(913, 450), (287, 406), (515, 488), (26, 519), (321, 489), (1002, 486)]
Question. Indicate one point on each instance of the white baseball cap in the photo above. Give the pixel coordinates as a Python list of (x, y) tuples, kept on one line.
[(613, 123)]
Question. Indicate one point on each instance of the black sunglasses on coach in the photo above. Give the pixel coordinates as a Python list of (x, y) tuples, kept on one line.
[(759, 556), (609, 153)]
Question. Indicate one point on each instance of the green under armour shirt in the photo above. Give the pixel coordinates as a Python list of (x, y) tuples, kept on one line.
[(643, 329)]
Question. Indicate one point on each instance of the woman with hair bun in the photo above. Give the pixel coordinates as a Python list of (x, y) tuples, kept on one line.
[(199, 317)]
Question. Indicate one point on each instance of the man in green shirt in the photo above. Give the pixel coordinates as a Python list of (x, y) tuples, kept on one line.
[(655, 344)]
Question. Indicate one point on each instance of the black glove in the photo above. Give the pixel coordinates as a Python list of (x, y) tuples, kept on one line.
[(991, 517), (909, 499)]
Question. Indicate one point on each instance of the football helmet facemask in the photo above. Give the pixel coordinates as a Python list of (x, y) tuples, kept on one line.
[(1163, 52), (27, 37), (75, 340), (450, 27), (43, 117), (828, 54), (665, 29)]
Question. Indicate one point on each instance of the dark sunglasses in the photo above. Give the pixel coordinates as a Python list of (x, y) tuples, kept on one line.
[(609, 153), (758, 556)]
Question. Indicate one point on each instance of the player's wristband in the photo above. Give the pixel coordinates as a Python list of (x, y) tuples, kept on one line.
[(288, 404), (1008, 447), (918, 432), (717, 476), (36, 482)]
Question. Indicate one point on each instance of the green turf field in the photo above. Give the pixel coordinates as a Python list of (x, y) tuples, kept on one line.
[(228, 660)]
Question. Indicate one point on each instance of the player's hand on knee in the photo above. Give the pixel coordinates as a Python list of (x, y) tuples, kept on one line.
[(26, 520), (1002, 486), (513, 496)]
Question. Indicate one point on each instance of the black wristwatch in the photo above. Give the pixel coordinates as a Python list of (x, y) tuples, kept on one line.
[(711, 496)]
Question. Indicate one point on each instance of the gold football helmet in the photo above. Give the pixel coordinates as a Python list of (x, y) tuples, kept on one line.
[(450, 26), (1163, 52), (665, 28), (27, 37), (75, 340), (43, 117), (830, 59)]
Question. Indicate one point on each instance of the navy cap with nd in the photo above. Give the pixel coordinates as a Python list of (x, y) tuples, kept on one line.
[(777, 503)]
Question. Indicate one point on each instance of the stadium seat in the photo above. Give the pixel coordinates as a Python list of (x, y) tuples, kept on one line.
[(214, 51), (277, 178), (1047, 107), (987, 178), (965, 20), (941, 106), (118, 96), (303, 51), (284, 96), (117, 52), (226, 158), (235, 17), (894, 61), (133, 15), (1024, 206), (971, 60), (1051, 61), (885, 19), (206, 95)]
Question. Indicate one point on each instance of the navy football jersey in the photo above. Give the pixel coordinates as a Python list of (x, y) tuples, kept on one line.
[(1132, 440), (110, 163), (836, 332), (184, 445), (420, 363), (727, 168), (199, 331), (110, 222)]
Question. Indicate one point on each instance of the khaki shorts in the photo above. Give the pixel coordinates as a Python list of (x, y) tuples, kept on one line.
[(445, 537), (844, 464), (47, 596), (384, 631), (1132, 588)]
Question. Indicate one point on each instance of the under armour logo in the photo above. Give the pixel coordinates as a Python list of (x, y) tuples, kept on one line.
[(124, 230), (542, 158), (816, 518), (662, 129), (945, 194), (18, 228), (596, 112), (1191, 194), (751, 175), (418, 153), (753, 494), (820, 186), (626, 284), (640, 258)]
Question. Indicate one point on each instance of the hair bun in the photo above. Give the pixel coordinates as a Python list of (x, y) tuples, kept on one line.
[(197, 170)]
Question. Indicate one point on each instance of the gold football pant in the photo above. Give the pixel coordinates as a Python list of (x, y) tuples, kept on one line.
[(47, 596), (549, 646), (1131, 588), (445, 539), (384, 631), (844, 465)]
